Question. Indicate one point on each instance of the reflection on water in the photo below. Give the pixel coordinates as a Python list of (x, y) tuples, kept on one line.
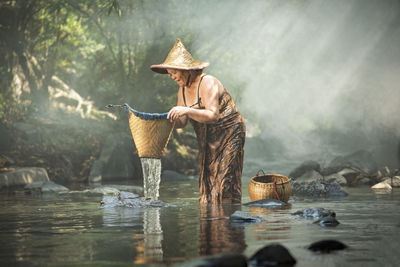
[(153, 235), (68, 230), (217, 234), (148, 243)]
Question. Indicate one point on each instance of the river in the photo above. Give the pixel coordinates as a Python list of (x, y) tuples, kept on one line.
[(75, 230)]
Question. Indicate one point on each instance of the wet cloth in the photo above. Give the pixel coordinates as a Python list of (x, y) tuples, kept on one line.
[(221, 153)]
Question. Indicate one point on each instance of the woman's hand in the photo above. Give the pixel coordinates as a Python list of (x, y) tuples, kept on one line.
[(176, 112)]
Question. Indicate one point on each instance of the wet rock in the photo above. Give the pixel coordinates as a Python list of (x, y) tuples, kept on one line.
[(335, 178), (393, 181), (129, 200), (101, 190), (267, 202), (243, 217), (328, 221), (382, 185), (350, 174), (315, 213), (317, 189), (219, 260), (45, 187), (273, 255), (326, 246), (23, 176), (361, 159), (128, 188), (169, 175), (305, 167), (310, 176)]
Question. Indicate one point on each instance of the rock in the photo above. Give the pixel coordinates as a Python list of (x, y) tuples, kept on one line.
[(267, 202), (393, 182), (306, 166), (317, 189), (45, 187), (329, 221), (219, 260), (326, 246), (101, 190), (169, 175), (350, 174), (310, 176), (334, 190), (273, 255), (129, 188), (335, 177), (361, 159), (381, 185), (315, 213), (23, 176), (118, 160), (129, 200), (243, 217), (104, 190)]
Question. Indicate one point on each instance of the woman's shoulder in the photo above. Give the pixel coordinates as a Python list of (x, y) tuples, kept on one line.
[(211, 81)]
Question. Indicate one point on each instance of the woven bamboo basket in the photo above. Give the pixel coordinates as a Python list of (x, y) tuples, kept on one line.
[(262, 186), (151, 136)]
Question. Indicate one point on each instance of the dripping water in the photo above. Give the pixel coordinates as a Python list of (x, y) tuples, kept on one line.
[(151, 177)]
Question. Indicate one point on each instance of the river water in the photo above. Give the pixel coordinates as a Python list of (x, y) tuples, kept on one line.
[(75, 230)]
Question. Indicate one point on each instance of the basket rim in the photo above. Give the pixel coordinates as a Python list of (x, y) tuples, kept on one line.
[(270, 174)]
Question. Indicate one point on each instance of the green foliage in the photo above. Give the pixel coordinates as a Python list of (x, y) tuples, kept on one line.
[(103, 49), (10, 110)]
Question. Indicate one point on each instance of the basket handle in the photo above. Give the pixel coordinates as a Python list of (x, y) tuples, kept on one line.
[(258, 172)]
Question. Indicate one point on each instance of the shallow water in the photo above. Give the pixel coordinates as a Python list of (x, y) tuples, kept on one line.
[(74, 230)]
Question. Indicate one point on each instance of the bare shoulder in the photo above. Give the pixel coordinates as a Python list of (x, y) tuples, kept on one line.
[(210, 83)]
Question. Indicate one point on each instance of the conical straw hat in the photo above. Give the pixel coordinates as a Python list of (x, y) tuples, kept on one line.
[(179, 58)]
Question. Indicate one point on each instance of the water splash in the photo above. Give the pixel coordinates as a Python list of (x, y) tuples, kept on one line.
[(151, 177)]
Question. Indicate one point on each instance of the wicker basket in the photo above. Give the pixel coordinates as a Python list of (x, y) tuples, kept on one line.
[(150, 136), (262, 186)]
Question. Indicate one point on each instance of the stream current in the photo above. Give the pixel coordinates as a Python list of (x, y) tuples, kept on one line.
[(73, 230)]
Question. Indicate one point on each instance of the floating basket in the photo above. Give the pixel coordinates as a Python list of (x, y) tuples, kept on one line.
[(150, 132), (275, 186)]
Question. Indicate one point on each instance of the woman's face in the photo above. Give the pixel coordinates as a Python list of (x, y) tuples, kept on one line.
[(178, 76)]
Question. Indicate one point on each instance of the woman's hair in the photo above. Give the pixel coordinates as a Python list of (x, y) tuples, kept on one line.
[(192, 75)]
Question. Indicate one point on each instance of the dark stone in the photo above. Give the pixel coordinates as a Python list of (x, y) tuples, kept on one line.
[(326, 246), (361, 159), (317, 189), (305, 167), (328, 221), (267, 202), (219, 260), (241, 217), (315, 213), (273, 255)]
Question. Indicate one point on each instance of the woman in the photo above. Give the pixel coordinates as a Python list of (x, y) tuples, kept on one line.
[(219, 127)]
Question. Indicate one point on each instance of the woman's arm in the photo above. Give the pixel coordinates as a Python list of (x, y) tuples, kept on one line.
[(180, 121)]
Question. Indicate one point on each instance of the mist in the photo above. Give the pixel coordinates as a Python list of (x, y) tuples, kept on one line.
[(320, 77)]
